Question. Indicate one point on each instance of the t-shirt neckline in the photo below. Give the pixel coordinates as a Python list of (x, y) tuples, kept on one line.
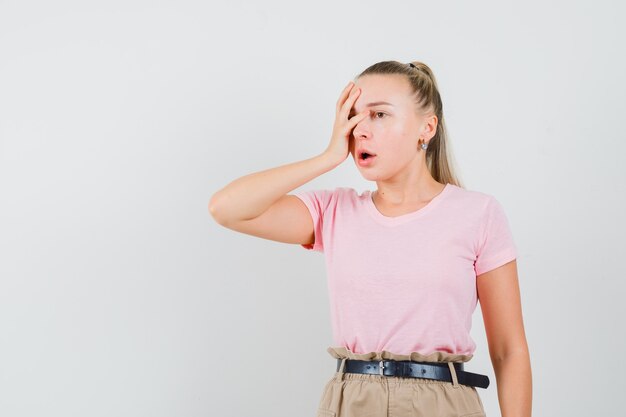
[(390, 221)]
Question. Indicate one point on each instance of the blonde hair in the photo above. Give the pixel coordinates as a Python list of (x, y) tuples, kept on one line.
[(439, 158)]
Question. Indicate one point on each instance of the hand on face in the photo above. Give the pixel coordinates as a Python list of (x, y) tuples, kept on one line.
[(340, 143)]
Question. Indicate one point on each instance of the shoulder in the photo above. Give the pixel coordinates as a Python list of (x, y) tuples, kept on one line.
[(329, 197), (329, 193), (347, 192), (337, 192), (469, 199), (476, 206)]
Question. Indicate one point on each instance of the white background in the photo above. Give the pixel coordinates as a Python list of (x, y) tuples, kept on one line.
[(119, 294)]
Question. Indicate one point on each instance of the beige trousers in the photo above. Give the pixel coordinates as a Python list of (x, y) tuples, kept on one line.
[(369, 395)]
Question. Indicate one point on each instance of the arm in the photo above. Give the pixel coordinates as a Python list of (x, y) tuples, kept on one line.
[(251, 195), (258, 203), (499, 295)]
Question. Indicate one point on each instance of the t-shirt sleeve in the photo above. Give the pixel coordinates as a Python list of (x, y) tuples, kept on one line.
[(496, 245), (316, 201)]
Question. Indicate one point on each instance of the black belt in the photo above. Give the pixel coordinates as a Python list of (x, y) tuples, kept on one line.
[(429, 370)]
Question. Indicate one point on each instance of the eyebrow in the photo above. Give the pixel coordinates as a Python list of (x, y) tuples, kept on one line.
[(379, 103), (376, 103)]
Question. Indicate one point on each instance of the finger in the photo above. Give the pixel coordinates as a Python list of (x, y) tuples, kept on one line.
[(357, 118), (345, 109), (346, 91), (349, 127)]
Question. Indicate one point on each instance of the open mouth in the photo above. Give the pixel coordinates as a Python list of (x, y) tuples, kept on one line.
[(365, 155)]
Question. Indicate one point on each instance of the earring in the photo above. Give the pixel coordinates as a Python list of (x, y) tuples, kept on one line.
[(424, 145)]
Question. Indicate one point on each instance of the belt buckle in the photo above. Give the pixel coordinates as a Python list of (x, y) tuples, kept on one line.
[(381, 368)]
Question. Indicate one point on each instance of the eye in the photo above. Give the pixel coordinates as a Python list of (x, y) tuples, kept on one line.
[(379, 112)]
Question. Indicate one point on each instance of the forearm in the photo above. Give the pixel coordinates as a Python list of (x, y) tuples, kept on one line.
[(250, 195), (514, 382)]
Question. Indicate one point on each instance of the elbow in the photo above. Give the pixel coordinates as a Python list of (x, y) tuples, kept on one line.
[(215, 210), (514, 350)]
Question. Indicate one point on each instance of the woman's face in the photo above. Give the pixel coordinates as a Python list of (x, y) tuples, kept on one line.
[(390, 131)]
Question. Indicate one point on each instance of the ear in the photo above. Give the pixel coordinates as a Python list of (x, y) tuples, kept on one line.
[(431, 127)]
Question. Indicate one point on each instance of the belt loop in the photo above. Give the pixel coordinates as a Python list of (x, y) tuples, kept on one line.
[(455, 382), (340, 372)]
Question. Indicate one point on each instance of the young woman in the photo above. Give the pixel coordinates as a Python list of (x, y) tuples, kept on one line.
[(406, 263)]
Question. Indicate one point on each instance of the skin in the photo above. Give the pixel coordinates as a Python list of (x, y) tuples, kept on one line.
[(404, 185), (500, 303)]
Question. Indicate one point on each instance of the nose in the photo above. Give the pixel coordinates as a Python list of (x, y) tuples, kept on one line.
[(361, 129)]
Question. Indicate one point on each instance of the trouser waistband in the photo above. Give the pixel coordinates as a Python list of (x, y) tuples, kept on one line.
[(453, 372)]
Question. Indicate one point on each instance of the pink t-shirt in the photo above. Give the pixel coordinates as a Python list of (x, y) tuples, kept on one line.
[(408, 283)]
